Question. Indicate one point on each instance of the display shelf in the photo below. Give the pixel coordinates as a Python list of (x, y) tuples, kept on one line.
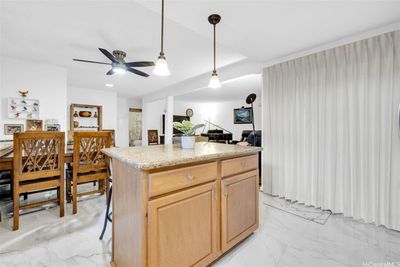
[(94, 122)]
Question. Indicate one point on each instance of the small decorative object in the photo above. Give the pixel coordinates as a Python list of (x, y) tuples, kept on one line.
[(242, 115), (188, 130), (76, 124), (95, 115), (53, 127), (23, 108), (51, 121), (152, 137), (10, 129), (76, 114), (23, 93), (189, 112), (34, 125), (85, 114)]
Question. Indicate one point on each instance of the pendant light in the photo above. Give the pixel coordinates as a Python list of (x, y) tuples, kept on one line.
[(161, 68), (214, 19)]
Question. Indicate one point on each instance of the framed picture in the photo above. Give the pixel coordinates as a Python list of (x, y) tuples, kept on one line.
[(242, 116), (10, 129), (34, 125), (23, 108), (152, 137), (53, 127)]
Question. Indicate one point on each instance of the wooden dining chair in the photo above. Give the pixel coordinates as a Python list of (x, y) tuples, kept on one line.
[(38, 166), (89, 165)]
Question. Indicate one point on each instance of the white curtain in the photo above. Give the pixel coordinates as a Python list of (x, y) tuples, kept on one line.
[(330, 130)]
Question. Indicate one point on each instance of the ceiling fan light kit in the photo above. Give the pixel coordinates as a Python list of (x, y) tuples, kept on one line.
[(214, 83), (118, 64), (161, 68)]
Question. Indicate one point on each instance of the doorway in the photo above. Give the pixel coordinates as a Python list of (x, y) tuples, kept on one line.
[(135, 127)]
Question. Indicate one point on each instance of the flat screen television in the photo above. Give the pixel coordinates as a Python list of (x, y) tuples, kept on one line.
[(175, 118)]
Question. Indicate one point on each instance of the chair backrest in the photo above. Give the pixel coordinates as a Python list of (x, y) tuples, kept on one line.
[(87, 151), (38, 155), (112, 131), (152, 136)]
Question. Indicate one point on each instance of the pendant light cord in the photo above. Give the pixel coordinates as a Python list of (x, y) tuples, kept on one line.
[(162, 27), (214, 49)]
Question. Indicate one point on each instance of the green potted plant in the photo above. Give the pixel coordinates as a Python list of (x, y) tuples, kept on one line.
[(188, 130)]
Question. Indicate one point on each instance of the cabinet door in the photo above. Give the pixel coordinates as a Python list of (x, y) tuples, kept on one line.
[(239, 208), (182, 228)]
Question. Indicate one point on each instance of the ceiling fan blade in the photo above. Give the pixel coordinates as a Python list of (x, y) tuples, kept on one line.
[(138, 72), (140, 64), (108, 55), (90, 61), (110, 72)]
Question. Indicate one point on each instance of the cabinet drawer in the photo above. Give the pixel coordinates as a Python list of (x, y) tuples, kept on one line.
[(168, 181), (238, 165)]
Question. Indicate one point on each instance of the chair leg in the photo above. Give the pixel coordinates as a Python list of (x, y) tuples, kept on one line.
[(106, 217), (61, 196), (16, 208), (74, 196), (101, 186), (68, 189)]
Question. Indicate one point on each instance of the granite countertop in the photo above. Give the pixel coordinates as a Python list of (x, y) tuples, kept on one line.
[(151, 157)]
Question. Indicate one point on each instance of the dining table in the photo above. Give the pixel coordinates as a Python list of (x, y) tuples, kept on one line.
[(6, 161)]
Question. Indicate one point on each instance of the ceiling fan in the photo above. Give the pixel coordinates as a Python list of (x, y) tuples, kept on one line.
[(118, 64)]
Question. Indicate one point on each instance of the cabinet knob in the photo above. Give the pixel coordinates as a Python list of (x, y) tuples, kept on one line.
[(189, 177)]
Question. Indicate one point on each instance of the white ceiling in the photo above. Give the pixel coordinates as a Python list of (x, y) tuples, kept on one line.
[(231, 90), (57, 31)]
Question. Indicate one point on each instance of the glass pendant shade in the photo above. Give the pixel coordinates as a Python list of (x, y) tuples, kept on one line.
[(161, 67), (214, 81), (119, 70)]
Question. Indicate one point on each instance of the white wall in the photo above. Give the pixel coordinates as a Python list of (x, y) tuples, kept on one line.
[(220, 113), (47, 83), (152, 117)]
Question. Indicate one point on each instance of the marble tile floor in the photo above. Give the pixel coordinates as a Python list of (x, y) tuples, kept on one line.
[(283, 240)]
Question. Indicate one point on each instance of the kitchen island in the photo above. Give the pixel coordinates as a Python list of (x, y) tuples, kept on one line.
[(181, 207)]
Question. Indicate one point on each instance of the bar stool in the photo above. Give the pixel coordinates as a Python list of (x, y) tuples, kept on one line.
[(107, 217)]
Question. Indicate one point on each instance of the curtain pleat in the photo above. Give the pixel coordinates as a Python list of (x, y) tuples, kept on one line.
[(330, 134)]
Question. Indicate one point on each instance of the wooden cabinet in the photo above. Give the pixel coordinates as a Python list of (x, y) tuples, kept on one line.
[(184, 215), (182, 227), (239, 208)]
